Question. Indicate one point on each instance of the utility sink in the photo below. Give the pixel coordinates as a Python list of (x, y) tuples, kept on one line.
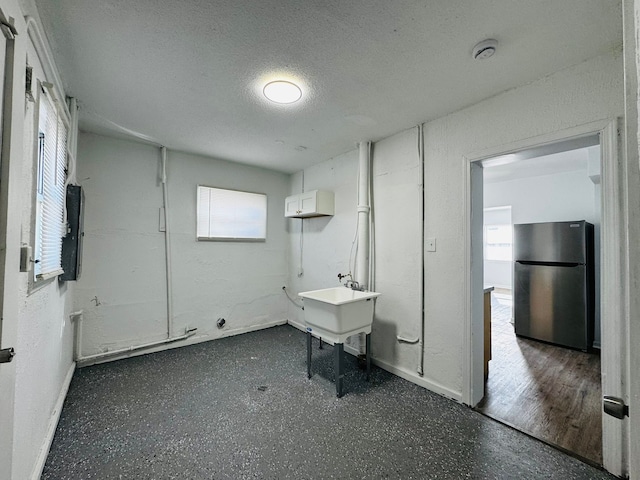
[(334, 314), (339, 312)]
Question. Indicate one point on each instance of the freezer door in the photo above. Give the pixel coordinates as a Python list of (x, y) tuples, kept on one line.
[(555, 242), (550, 304)]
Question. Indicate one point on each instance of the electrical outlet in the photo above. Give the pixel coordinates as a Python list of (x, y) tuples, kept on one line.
[(431, 244)]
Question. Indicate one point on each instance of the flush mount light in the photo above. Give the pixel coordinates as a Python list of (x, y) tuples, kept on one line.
[(282, 91)]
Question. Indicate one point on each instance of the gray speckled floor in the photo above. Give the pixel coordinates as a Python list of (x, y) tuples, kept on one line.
[(203, 412)]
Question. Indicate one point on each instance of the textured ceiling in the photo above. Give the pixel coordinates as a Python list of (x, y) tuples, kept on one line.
[(188, 74)]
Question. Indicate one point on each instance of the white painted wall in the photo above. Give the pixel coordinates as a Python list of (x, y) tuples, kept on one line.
[(326, 241), (547, 198), (35, 323), (124, 253), (577, 95), (497, 273), (327, 244), (580, 94)]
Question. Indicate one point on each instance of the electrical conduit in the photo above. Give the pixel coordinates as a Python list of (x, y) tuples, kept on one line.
[(420, 339), (421, 216), (167, 242)]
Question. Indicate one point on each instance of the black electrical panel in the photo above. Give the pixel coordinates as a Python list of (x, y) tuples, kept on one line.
[(72, 243)]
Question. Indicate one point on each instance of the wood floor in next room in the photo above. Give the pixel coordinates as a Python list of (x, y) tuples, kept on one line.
[(552, 393)]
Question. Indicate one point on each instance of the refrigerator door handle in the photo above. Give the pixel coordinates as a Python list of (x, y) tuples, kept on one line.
[(552, 264)]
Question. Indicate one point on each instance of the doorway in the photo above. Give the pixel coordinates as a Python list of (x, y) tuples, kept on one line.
[(611, 276), (543, 388)]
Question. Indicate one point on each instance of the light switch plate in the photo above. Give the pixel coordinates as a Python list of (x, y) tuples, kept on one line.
[(431, 244)]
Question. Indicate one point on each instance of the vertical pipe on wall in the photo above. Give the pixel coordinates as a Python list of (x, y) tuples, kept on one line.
[(167, 243), (421, 216), (363, 254), (362, 259)]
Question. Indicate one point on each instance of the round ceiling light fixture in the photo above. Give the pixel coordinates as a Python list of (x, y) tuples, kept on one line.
[(282, 91), (485, 49)]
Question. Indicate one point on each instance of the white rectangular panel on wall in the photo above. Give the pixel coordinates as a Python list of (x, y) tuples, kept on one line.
[(231, 215)]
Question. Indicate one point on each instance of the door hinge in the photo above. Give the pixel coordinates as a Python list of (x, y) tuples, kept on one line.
[(615, 407), (6, 355)]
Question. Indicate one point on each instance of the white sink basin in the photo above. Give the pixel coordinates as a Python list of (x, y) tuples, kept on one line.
[(339, 312)]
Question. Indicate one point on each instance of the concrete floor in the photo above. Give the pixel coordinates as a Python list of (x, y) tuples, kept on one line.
[(242, 407)]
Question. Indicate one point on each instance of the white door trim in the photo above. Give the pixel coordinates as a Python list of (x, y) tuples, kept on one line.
[(613, 280)]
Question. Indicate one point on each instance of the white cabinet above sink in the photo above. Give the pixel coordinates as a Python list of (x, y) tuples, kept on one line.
[(314, 203)]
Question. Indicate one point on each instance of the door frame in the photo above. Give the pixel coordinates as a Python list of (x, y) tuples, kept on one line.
[(613, 283)]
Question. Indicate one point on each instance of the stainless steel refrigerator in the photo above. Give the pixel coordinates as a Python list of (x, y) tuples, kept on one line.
[(554, 283)]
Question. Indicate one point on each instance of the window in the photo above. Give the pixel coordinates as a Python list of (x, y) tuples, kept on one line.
[(498, 242), (50, 189), (231, 215)]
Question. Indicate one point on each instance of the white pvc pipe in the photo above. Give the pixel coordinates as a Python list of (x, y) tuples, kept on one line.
[(167, 243), (134, 348), (362, 259), (371, 284), (363, 247), (410, 341), (421, 217)]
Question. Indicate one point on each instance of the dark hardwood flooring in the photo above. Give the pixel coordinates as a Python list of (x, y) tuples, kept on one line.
[(549, 392)]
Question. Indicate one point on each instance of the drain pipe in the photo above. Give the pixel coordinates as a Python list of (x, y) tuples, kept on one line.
[(362, 259), (100, 356), (362, 263)]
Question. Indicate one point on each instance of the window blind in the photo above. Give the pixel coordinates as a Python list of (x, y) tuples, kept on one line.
[(52, 162), (230, 214)]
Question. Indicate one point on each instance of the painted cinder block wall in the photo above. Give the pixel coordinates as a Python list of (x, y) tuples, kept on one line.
[(124, 249), (577, 95)]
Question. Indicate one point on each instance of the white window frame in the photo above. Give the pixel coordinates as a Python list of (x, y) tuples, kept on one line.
[(230, 215), (487, 255), (51, 129)]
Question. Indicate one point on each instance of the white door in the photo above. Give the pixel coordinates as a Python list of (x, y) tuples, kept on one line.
[(7, 318), (613, 286)]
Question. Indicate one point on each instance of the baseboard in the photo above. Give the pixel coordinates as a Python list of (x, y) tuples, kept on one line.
[(189, 341), (298, 325), (53, 424), (418, 380), (400, 372)]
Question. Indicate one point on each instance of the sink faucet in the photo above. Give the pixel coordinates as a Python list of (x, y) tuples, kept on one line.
[(353, 285)]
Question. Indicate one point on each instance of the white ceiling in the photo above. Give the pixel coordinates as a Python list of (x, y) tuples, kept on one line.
[(553, 164), (188, 74)]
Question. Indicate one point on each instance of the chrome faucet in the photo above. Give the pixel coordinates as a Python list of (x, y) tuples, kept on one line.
[(353, 285)]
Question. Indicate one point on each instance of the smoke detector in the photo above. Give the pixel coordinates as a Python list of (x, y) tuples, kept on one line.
[(485, 49)]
